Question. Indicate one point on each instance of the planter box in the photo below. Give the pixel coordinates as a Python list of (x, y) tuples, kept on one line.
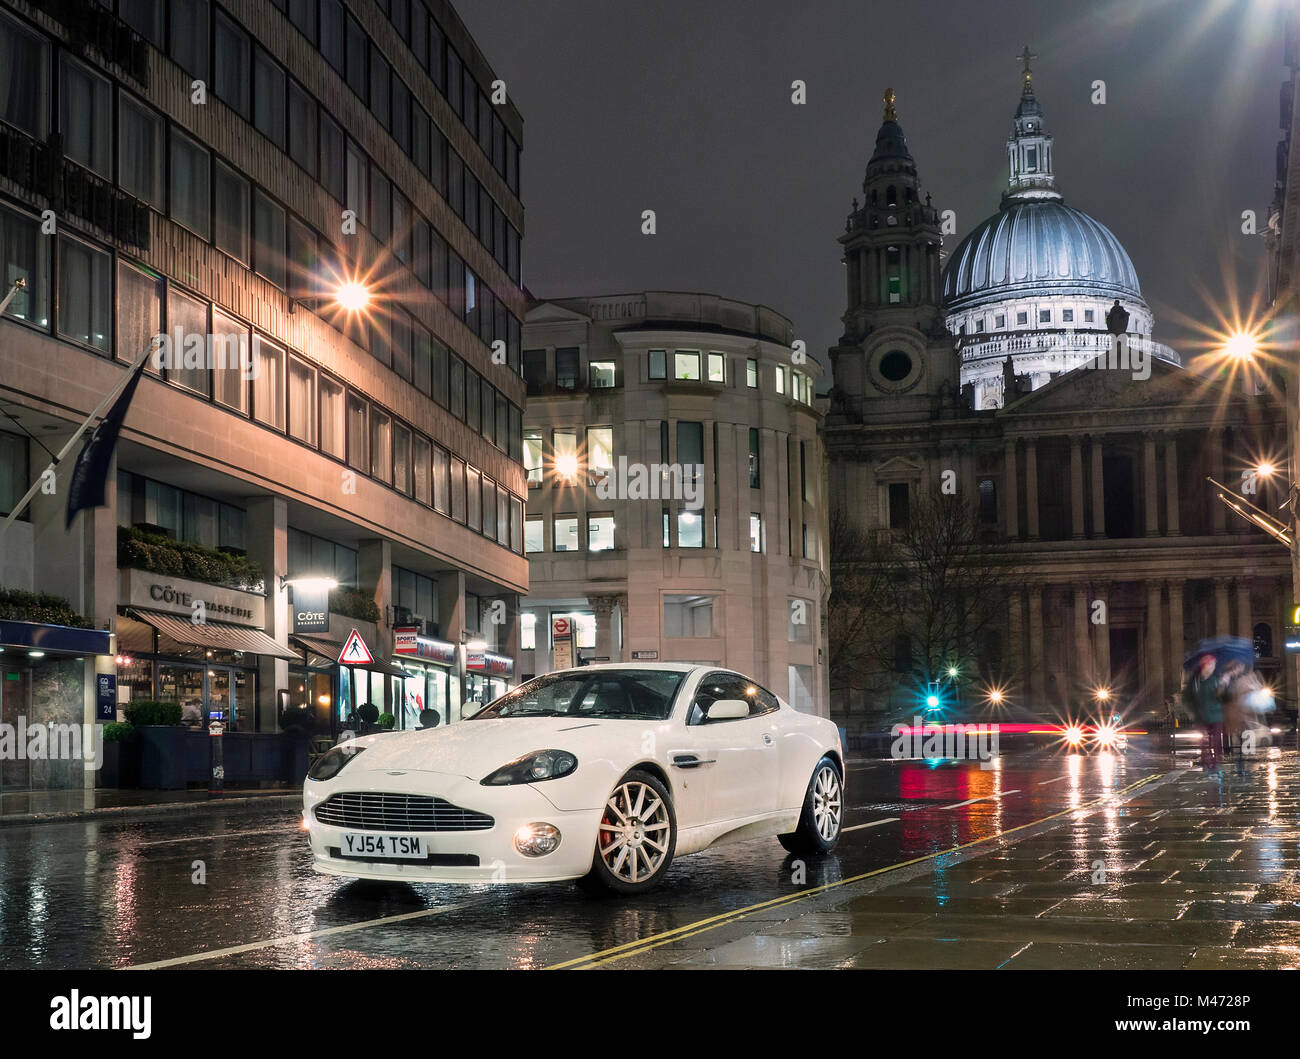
[(121, 767), (166, 756), (174, 758)]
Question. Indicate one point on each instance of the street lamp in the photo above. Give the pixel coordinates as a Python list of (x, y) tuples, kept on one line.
[(352, 295), (309, 584)]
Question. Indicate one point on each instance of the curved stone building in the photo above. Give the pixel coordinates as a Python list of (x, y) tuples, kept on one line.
[(676, 507)]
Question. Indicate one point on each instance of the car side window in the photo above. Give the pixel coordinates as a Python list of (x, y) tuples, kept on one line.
[(728, 686)]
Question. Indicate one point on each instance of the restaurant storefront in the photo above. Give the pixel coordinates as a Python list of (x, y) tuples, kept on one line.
[(488, 676), (195, 644)]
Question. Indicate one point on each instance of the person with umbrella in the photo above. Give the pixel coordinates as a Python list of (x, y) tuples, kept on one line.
[(1204, 691)]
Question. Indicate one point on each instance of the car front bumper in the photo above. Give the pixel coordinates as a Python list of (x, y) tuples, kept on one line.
[(482, 856)]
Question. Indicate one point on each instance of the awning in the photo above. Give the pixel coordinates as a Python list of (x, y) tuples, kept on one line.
[(331, 649), (214, 634)]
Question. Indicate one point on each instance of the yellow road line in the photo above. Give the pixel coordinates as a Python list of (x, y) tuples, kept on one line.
[(690, 930)]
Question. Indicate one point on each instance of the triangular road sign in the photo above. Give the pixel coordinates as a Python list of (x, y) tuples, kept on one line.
[(355, 652)]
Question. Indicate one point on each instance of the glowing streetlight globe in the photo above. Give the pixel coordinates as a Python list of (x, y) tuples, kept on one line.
[(566, 466), (353, 296), (1103, 694), (1241, 345)]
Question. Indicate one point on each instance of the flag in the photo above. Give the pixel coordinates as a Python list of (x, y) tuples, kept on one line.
[(90, 472)]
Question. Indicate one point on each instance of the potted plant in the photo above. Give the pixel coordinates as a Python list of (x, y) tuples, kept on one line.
[(162, 743), (386, 722), (120, 766)]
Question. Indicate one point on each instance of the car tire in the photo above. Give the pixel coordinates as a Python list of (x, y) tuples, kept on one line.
[(637, 836), (823, 813)]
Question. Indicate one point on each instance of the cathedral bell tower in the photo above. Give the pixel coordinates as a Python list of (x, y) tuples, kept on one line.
[(895, 358)]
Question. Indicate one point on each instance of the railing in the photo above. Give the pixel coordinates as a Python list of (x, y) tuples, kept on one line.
[(1087, 345)]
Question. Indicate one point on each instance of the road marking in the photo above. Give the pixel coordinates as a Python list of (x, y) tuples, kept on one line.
[(289, 939), (1057, 780), (874, 823), (690, 930), (972, 801)]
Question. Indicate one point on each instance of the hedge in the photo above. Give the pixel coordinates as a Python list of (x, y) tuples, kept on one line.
[(44, 609), (162, 555)]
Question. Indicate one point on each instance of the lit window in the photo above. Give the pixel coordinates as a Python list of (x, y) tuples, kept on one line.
[(600, 533), (688, 616), (658, 364), (780, 379), (533, 456), (686, 365), (717, 367), (601, 374), (690, 529), (533, 535), (751, 373), (566, 533), (528, 632), (755, 532)]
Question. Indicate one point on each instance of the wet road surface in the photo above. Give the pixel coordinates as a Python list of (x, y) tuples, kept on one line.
[(239, 891)]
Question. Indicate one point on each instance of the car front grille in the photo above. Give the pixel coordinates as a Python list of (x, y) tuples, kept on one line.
[(383, 811)]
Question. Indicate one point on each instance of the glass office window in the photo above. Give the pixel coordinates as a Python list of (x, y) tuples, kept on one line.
[(381, 446), (85, 294), (24, 77), (566, 533), (191, 197), (269, 239), (268, 383), (86, 116), (140, 152), (232, 55), (230, 211), (268, 97), (139, 307), (302, 401), (333, 438), (232, 354), (191, 316)]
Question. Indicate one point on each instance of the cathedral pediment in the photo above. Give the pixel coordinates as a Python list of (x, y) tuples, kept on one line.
[(550, 313), (1095, 387)]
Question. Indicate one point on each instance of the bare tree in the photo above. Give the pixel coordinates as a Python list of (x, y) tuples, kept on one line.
[(938, 587)]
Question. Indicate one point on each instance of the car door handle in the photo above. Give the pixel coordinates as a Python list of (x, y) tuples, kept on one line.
[(690, 761)]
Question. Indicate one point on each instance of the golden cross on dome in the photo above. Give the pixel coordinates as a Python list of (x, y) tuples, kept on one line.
[(890, 113), (1026, 57)]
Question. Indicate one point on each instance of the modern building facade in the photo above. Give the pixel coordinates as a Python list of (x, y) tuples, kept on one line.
[(1089, 485), (676, 489), (215, 172)]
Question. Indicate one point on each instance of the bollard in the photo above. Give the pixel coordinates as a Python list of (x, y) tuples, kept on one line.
[(217, 773)]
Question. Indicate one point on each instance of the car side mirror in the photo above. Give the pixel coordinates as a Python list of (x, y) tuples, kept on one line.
[(727, 710)]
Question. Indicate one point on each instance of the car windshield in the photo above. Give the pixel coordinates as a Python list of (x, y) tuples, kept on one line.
[(632, 694)]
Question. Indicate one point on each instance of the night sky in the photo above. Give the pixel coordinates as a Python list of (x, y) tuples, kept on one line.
[(683, 106)]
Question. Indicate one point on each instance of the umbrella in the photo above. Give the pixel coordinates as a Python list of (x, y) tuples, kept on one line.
[(1225, 649)]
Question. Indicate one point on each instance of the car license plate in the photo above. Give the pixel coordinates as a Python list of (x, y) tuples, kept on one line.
[(407, 847)]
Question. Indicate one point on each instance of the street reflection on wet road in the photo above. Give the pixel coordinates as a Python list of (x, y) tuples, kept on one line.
[(239, 891)]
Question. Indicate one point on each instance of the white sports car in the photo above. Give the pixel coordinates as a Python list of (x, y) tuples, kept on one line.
[(605, 772)]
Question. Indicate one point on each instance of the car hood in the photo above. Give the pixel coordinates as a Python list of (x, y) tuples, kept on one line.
[(476, 748)]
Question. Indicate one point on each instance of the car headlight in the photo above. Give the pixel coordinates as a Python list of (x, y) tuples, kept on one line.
[(532, 768), (333, 761)]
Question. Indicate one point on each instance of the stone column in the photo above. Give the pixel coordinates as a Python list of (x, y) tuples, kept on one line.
[(1171, 484), (1083, 670), (1016, 634), (1216, 468), (1098, 489), (1101, 591), (1076, 488), (1150, 495), (1031, 487), (1011, 505), (451, 624), (1037, 663), (266, 529), (1245, 624), (1177, 645), (1222, 618), (603, 609), (1155, 661)]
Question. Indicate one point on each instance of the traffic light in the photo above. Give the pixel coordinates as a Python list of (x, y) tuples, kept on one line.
[(933, 698)]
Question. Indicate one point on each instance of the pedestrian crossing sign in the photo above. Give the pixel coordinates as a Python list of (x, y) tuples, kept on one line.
[(355, 652)]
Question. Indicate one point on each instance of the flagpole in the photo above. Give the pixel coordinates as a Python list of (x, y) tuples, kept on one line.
[(19, 284), (98, 411)]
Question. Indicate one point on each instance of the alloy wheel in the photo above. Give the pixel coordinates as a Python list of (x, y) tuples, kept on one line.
[(827, 803), (634, 832)]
